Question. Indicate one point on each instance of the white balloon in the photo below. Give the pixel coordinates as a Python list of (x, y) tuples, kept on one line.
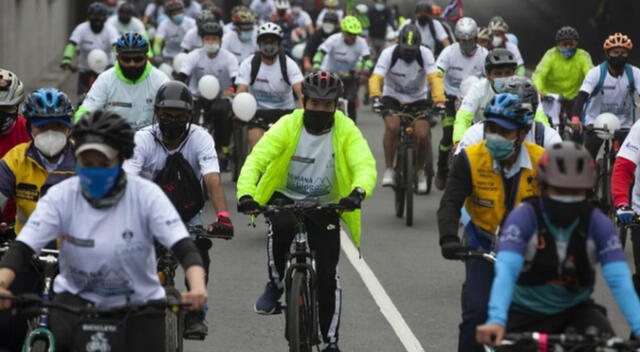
[(209, 87), (98, 60), (467, 83), (298, 51), (166, 69), (244, 106), (608, 124), (178, 60)]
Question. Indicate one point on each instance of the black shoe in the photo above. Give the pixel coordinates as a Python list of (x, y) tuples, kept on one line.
[(194, 326), (441, 179)]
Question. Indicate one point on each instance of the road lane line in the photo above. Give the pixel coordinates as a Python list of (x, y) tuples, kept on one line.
[(380, 296)]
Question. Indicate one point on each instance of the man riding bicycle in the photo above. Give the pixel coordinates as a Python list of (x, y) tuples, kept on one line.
[(315, 153), (490, 179), (171, 32), (498, 29), (548, 248), (404, 69)]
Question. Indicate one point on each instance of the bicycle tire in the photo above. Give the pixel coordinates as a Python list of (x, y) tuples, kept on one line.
[(173, 324), (399, 187), (299, 315), (39, 345), (409, 180)]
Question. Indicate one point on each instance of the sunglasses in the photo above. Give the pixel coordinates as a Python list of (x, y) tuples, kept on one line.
[(134, 59)]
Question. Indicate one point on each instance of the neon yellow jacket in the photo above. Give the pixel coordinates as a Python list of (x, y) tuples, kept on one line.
[(265, 169), (557, 75)]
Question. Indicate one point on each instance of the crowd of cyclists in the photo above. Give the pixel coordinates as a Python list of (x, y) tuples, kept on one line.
[(147, 144)]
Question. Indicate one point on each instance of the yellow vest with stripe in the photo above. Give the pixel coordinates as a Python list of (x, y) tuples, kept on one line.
[(487, 204)]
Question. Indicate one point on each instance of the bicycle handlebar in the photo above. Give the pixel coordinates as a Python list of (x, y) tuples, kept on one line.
[(570, 339), (490, 257), (299, 207)]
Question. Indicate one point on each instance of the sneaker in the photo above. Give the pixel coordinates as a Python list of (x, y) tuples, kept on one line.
[(389, 178), (194, 326), (421, 175), (441, 179), (332, 347), (269, 301)]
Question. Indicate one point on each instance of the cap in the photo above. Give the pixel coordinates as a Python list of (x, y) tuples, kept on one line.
[(105, 149)]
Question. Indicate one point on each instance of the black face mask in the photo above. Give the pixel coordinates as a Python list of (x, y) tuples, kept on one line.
[(407, 57), (281, 13), (7, 119), (423, 20), (96, 25), (124, 19), (562, 214), (186, 3), (617, 62), (317, 122), (172, 130), (132, 73)]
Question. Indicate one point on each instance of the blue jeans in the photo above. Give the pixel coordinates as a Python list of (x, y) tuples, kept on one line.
[(475, 300)]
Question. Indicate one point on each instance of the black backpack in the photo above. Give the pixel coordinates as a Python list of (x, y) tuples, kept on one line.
[(180, 184), (257, 61), (395, 57)]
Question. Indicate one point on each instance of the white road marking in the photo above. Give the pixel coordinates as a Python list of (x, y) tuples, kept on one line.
[(380, 296)]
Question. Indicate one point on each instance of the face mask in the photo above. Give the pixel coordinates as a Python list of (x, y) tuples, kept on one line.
[(498, 83), (499, 147), (96, 25), (328, 27), (407, 57), (496, 41), (132, 73), (379, 7), (172, 130), (211, 48), (269, 50), (317, 121), (281, 12), (562, 213), (50, 143), (468, 48), (568, 199), (7, 119), (617, 62), (124, 20), (177, 19), (246, 36), (97, 181), (567, 53), (423, 20), (296, 10)]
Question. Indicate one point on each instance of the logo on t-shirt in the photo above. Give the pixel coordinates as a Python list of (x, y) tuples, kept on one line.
[(127, 235)]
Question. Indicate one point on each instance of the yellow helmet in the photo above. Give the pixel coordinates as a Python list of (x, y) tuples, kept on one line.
[(331, 3), (351, 25)]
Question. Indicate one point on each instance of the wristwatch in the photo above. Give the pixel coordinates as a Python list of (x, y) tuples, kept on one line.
[(360, 191)]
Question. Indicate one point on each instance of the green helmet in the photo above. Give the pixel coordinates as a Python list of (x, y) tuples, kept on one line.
[(351, 25)]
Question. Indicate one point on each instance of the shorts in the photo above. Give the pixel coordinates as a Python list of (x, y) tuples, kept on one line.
[(264, 119), (421, 108)]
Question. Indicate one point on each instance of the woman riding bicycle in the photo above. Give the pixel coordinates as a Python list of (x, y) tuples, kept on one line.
[(106, 222)]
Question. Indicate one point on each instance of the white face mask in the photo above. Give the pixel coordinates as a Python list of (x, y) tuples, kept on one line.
[(211, 48), (296, 10), (496, 41), (50, 143), (328, 27), (567, 199)]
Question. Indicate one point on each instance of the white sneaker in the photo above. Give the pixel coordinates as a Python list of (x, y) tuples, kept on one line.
[(389, 178), (422, 181)]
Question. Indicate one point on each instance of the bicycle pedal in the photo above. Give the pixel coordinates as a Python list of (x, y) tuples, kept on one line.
[(196, 337)]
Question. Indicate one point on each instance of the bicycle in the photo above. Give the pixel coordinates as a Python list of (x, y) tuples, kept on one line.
[(240, 147), (556, 107), (301, 284), (592, 341)]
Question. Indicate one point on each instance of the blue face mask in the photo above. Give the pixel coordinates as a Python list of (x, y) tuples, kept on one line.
[(178, 18), (246, 36), (499, 147), (379, 7), (498, 83), (567, 53), (97, 181)]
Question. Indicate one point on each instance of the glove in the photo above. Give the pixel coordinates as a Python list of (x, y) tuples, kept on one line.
[(223, 227), (247, 205), (452, 249), (377, 105), (575, 123), (65, 66), (353, 201), (625, 215)]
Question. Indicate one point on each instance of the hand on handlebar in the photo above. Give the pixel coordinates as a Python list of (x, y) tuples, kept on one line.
[(625, 214), (576, 125), (453, 249), (222, 227), (5, 303), (247, 205), (376, 104), (490, 334), (352, 202), (197, 297)]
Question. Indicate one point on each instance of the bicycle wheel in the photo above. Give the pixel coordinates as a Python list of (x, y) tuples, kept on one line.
[(604, 192), (399, 187), (622, 231), (39, 345), (173, 324), (409, 181), (240, 149), (300, 322)]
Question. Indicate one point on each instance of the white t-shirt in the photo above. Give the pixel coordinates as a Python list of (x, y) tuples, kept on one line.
[(191, 40), (614, 96), (106, 255), (477, 98), (86, 40), (134, 102), (149, 156), (263, 9), (270, 89), (311, 174), (457, 66), (302, 19), (135, 25), (405, 82), (172, 35), (224, 66), (323, 12), (241, 50), (192, 11), (516, 52), (425, 32), (341, 57), (630, 150)]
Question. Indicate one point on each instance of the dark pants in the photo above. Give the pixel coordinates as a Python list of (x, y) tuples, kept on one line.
[(351, 94), (475, 299), (593, 143), (325, 244), (446, 143), (85, 81), (14, 327), (145, 330), (635, 241), (578, 318), (216, 115)]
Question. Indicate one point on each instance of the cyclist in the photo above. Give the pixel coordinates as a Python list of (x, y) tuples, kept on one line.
[(563, 68), (156, 12), (330, 26), (173, 133), (329, 6), (609, 87), (490, 179), (220, 63), (499, 39), (457, 62), (89, 35), (168, 40), (284, 18), (433, 34), (127, 88), (315, 153), (510, 37), (263, 9), (540, 288), (193, 37), (484, 38), (105, 262), (124, 21), (539, 133), (380, 18), (241, 41), (272, 77), (301, 19), (346, 54), (407, 82)]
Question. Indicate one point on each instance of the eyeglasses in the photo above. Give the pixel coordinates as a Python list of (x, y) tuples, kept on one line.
[(129, 59)]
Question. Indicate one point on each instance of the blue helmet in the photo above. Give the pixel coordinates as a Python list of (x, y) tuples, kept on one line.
[(97, 8), (132, 43), (47, 105), (506, 110)]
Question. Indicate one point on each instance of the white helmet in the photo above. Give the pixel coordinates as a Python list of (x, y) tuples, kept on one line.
[(497, 23), (606, 125), (11, 88), (362, 8), (282, 4), (466, 28), (270, 28)]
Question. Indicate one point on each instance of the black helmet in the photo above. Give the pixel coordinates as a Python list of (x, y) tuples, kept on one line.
[(567, 33), (410, 38), (322, 85), (210, 28), (126, 9), (331, 16), (132, 43), (173, 5), (424, 6), (97, 8), (500, 57), (203, 17), (174, 94), (104, 126)]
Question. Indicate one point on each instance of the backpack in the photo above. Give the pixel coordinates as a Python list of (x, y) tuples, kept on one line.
[(394, 57), (257, 60), (539, 133), (603, 74), (180, 184)]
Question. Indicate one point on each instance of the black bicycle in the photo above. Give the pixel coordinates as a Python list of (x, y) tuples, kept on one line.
[(592, 341), (301, 283), (240, 147), (612, 144), (561, 121)]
